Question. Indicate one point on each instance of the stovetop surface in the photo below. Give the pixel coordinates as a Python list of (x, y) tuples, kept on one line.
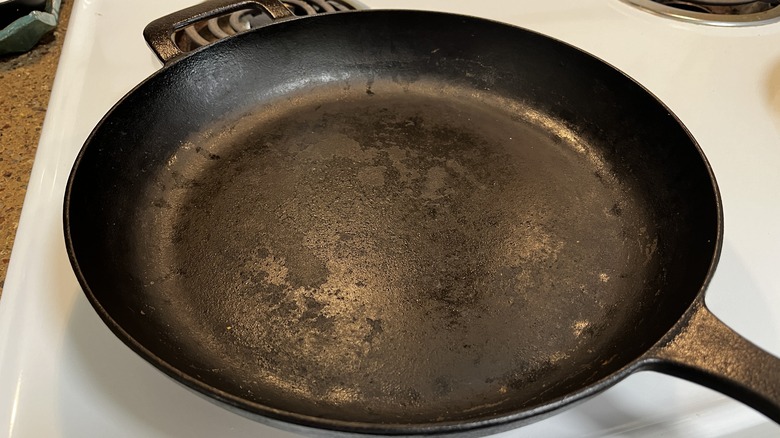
[(63, 374)]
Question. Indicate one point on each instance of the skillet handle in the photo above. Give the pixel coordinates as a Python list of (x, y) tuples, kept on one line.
[(159, 33), (706, 351)]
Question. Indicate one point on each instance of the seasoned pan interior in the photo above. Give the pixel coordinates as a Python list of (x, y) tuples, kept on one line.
[(396, 218)]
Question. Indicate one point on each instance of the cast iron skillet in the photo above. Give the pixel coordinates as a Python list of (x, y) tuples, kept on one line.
[(400, 222)]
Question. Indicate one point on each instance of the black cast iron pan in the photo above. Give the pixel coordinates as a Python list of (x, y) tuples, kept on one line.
[(401, 222)]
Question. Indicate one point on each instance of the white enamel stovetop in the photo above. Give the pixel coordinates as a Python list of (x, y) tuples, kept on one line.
[(63, 374)]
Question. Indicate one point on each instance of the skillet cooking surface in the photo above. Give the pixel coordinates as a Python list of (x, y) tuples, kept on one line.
[(423, 218)]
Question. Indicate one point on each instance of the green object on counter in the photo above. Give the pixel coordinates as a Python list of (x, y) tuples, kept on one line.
[(24, 33)]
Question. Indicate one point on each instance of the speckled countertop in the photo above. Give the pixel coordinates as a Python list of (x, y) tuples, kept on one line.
[(25, 86)]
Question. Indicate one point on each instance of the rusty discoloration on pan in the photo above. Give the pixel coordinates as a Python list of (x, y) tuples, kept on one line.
[(356, 251)]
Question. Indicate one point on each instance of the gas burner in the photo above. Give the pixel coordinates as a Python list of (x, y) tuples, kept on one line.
[(715, 12), (201, 34)]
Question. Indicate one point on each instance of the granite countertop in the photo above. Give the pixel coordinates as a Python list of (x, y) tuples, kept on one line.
[(25, 86)]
